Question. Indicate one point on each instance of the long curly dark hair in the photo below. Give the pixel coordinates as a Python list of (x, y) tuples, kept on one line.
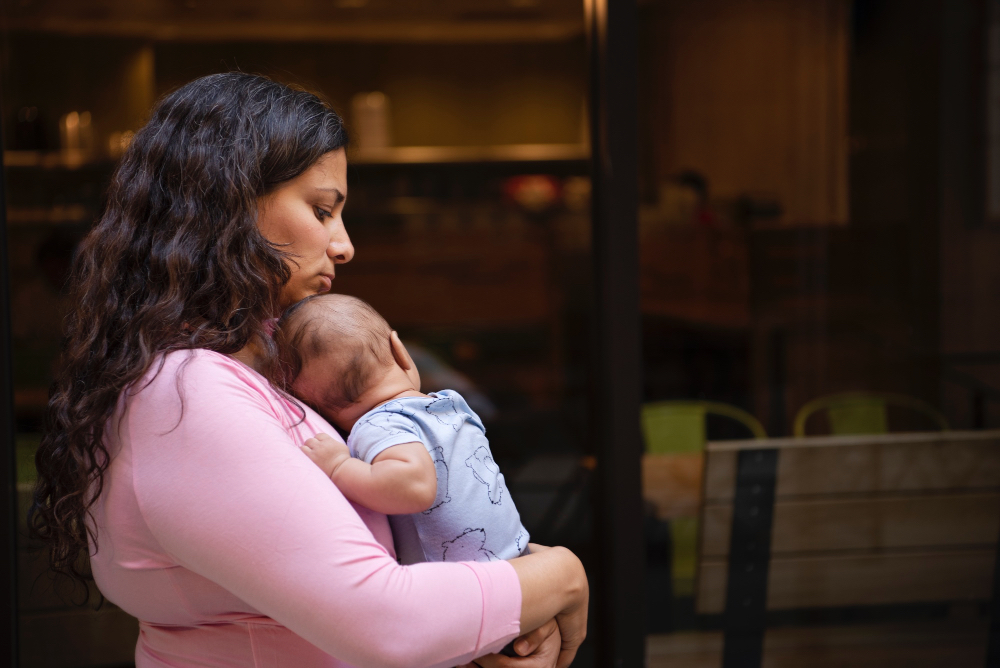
[(175, 261)]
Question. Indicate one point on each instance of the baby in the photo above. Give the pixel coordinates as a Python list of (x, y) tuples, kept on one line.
[(422, 459)]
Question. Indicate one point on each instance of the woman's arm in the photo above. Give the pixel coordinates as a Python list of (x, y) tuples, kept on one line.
[(400, 480), (228, 495)]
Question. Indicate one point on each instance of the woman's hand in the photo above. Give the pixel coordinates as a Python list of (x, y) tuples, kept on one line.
[(554, 584), (572, 631), (538, 649), (572, 622)]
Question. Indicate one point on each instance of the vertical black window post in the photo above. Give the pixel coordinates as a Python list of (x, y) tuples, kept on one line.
[(616, 362), (8, 465)]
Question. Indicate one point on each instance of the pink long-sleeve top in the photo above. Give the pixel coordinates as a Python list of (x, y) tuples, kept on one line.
[(233, 549)]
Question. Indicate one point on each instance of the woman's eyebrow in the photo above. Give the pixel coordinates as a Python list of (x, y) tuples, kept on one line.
[(340, 197)]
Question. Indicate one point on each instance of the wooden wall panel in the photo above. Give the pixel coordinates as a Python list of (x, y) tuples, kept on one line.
[(859, 464), (865, 579), (754, 96), (867, 523)]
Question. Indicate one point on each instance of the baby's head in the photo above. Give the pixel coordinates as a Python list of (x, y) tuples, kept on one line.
[(341, 356)]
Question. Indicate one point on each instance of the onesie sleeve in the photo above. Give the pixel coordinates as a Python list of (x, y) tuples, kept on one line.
[(229, 495), (381, 429)]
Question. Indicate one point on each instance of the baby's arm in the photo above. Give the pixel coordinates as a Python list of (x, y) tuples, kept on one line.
[(399, 481)]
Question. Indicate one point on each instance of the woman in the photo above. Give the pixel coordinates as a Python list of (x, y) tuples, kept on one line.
[(168, 450)]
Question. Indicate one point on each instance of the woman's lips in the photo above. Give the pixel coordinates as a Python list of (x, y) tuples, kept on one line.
[(326, 281)]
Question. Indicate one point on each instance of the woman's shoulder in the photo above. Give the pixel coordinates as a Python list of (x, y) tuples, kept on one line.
[(215, 384), (202, 372), (202, 360)]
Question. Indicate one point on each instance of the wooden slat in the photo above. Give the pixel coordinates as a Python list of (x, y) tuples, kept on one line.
[(923, 644), (858, 464), (864, 579), (927, 521), (795, 442), (720, 476)]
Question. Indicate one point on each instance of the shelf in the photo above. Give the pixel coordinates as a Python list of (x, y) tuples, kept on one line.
[(425, 155), (282, 27), (53, 159), (394, 155), (64, 214)]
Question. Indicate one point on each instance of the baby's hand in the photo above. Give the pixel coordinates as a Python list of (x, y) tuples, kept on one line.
[(326, 452)]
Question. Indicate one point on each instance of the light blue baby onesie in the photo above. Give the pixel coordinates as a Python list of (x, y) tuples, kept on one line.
[(473, 517)]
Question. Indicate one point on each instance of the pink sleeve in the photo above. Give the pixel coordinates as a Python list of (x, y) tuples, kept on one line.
[(229, 496)]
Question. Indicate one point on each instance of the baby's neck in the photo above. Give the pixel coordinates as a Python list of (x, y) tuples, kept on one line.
[(392, 386)]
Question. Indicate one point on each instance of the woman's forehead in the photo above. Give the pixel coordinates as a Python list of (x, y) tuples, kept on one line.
[(327, 173)]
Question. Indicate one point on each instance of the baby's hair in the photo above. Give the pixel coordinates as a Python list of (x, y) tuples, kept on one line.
[(350, 327)]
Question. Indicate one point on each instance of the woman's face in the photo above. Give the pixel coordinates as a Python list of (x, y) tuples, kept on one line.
[(303, 217)]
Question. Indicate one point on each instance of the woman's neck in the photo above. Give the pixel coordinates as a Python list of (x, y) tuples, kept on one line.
[(250, 354)]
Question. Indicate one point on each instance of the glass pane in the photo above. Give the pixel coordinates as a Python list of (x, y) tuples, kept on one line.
[(468, 208), (815, 242)]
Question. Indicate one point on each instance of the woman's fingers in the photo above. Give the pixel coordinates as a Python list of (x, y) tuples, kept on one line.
[(529, 642), (573, 629), (546, 654)]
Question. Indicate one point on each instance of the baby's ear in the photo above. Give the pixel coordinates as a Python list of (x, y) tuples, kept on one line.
[(399, 352)]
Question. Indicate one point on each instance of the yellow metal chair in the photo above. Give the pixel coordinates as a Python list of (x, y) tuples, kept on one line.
[(862, 412), (673, 427), (674, 432)]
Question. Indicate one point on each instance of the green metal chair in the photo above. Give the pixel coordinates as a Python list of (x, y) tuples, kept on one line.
[(677, 429), (862, 412), (673, 427)]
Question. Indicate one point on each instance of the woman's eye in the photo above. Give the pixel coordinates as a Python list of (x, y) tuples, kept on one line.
[(322, 214)]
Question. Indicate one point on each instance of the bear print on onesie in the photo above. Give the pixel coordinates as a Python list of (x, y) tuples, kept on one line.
[(473, 517), (485, 470), (441, 467)]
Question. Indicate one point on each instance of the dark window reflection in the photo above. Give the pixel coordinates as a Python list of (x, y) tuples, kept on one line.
[(469, 208), (815, 237)]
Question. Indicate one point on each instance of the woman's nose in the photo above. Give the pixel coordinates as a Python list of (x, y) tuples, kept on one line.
[(340, 249)]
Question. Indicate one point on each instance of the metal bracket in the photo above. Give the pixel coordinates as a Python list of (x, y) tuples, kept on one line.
[(749, 558)]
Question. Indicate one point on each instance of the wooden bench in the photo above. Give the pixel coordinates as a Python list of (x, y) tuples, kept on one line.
[(839, 521)]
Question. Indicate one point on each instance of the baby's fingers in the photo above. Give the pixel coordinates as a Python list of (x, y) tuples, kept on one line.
[(320, 442), (311, 451)]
